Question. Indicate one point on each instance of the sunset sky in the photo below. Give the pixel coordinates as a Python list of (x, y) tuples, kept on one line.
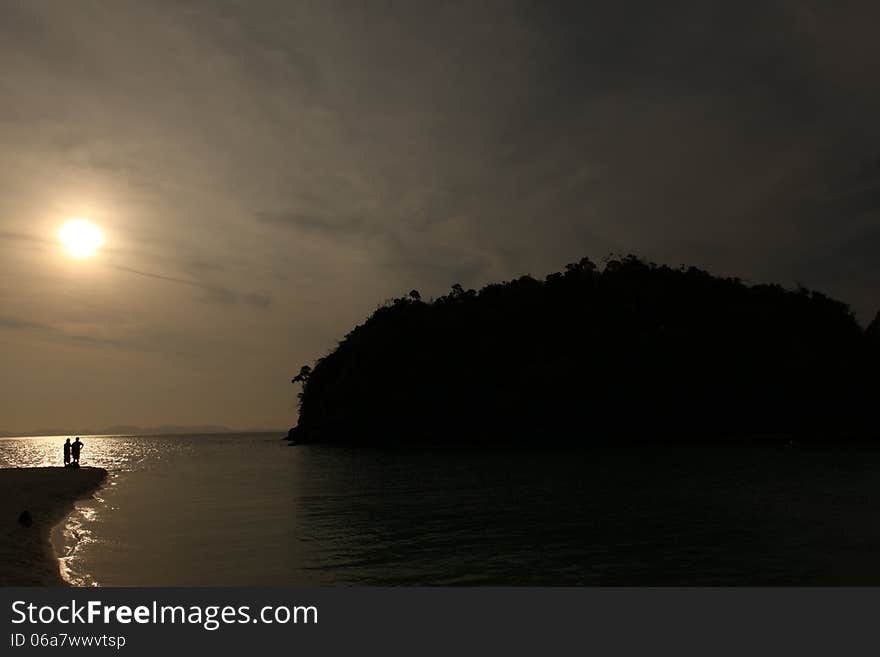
[(266, 173)]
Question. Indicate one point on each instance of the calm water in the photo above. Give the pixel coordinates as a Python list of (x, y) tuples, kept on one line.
[(248, 510)]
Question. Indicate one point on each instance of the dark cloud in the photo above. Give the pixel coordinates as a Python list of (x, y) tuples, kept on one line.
[(57, 333), (316, 221), (212, 293), (16, 324), (15, 236)]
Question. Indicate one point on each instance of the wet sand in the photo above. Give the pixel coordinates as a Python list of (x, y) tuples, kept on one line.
[(48, 494)]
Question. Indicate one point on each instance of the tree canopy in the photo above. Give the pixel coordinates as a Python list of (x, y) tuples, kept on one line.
[(632, 351)]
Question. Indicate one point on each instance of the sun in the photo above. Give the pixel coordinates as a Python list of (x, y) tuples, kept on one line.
[(81, 238)]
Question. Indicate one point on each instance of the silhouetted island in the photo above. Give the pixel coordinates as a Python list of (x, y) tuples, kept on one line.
[(635, 351)]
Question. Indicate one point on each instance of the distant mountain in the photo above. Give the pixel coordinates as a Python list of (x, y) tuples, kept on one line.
[(634, 351), (126, 430)]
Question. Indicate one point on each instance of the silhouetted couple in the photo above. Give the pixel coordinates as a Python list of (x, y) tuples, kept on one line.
[(72, 449)]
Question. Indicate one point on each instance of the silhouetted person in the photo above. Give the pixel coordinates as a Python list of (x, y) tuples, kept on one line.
[(67, 453), (75, 449)]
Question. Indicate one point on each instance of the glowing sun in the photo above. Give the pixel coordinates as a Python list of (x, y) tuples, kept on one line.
[(81, 238)]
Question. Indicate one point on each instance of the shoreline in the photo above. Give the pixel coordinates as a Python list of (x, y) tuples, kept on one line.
[(48, 494)]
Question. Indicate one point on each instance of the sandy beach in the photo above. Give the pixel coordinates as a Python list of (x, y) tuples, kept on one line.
[(47, 494)]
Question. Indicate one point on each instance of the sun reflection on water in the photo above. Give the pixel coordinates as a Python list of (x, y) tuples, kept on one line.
[(114, 453), (119, 455)]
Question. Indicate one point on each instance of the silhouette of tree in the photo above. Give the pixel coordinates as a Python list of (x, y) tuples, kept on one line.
[(304, 372)]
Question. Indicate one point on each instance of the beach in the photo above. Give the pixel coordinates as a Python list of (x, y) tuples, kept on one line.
[(48, 495)]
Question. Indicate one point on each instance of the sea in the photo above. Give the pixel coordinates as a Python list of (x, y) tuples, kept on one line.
[(249, 510)]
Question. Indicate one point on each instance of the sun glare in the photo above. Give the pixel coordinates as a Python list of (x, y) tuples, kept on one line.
[(81, 238)]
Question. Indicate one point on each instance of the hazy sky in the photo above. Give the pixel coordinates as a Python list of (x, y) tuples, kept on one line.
[(267, 173)]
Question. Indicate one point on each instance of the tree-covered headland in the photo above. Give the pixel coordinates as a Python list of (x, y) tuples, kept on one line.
[(632, 351)]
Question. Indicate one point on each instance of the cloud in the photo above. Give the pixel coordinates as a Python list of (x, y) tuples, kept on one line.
[(58, 333), (212, 293), (315, 221), (21, 237), (17, 324)]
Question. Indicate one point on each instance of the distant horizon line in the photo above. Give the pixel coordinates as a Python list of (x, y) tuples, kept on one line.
[(134, 430)]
